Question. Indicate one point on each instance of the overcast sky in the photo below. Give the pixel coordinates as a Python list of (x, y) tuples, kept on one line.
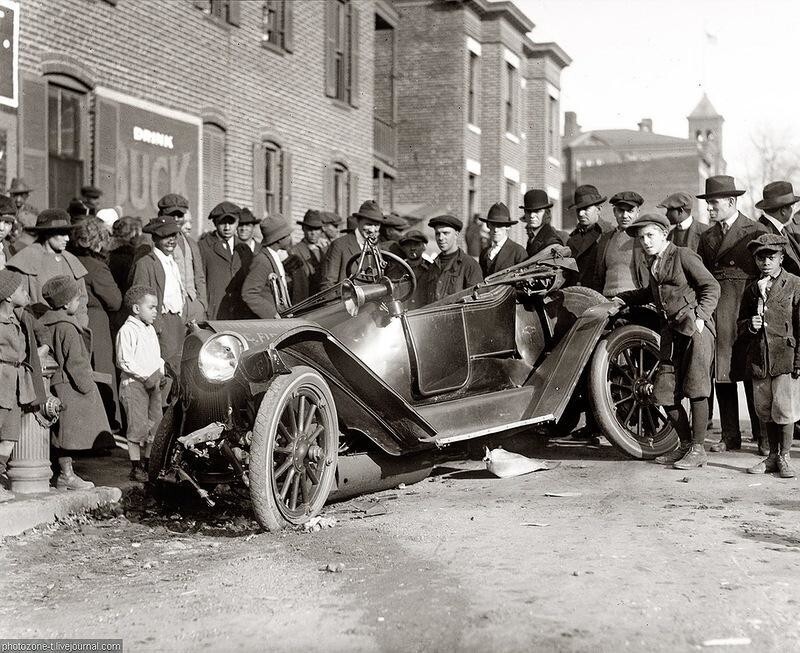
[(636, 59)]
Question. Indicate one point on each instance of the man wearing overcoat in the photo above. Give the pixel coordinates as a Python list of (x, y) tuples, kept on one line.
[(502, 252), (266, 273), (777, 204), (536, 207), (686, 231), (583, 239), (723, 249), (305, 263)]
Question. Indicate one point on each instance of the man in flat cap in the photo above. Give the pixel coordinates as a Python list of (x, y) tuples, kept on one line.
[(368, 219), (536, 208), (777, 206), (453, 269), (620, 264), (583, 239), (187, 256), (222, 265), (413, 243), (330, 228), (390, 233), (305, 263), (90, 196), (502, 252), (686, 295), (686, 230), (265, 289), (723, 249)]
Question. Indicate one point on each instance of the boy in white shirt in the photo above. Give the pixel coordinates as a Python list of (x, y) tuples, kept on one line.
[(142, 376)]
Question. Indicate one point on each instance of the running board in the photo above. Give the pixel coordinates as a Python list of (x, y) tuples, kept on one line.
[(488, 431)]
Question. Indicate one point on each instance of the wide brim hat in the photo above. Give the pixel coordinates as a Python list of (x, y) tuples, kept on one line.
[(586, 196), (535, 200), (162, 226), (311, 220), (777, 194), (768, 243), (52, 221), (370, 210), (720, 186), (329, 217), (19, 187), (645, 220), (274, 228), (499, 215)]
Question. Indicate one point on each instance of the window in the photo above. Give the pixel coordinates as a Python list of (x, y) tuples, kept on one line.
[(341, 51), (271, 179), (383, 188), (553, 126), (65, 114), (341, 190), (276, 24), (472, 195), (213, 165), (511, 99), (224, 11), (472, 99), (511, 193)]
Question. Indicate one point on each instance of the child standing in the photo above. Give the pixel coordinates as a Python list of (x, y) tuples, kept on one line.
[(769, 318), (84, 417), (139, 360)]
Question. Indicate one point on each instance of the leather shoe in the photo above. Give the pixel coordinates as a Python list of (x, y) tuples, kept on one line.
[(5, 495), (695, 457), (766, 466), (726, 445), (784, 468), (675, 455)]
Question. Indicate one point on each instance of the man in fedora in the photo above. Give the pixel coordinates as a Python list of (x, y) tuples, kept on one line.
[(19, 191), (245, 229), (222, 264), (536, 208), (453, 269), (620, 264), (723, 249), (159, 270), (369, 219), (47, 258), (685, 230), (187, 256), (265, 289), (583, 239), (502, 252), (305, 263), (777, 206)]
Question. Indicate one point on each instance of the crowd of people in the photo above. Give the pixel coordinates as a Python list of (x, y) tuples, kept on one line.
[(110, 298)]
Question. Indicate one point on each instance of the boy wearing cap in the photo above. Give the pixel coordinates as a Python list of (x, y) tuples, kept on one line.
[(536, 208), (413, 243), (222, 264), (620, 264), (265, 289), (502, 252), (686, 230), (73, 383), (769, 319), (686, 294), (8, 216), (453, 269)]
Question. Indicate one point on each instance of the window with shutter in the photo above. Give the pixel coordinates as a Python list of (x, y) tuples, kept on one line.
[(276, 25), (340, 188), (273, 178), (213, 165), (223, 11), (65, 119), (342, 50)]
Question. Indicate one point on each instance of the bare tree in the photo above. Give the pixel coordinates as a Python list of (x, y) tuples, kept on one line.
[(773, 157)]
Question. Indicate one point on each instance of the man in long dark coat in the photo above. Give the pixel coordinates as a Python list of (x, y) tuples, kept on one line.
[(453, 269), (502, 252), (305, 263), (265, 289), (723, 248), (369, 219), (686, 230), (536, 208), (583, 239), (777, 204)]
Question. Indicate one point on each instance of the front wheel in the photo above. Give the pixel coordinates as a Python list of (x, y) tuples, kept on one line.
[(621, 377), (294, 449)]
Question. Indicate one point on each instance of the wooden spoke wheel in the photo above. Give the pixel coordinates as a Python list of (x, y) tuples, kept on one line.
[(293, 450)]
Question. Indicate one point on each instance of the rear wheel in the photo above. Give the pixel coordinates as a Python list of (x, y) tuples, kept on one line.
[(294, 449), (620, 393)]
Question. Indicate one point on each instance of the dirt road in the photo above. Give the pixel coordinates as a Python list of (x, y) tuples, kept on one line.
[(642, 559)]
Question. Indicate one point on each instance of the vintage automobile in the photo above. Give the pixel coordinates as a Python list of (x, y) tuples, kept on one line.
[(349, 393)]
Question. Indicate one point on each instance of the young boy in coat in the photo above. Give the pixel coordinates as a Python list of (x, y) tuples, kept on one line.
[(142, 376), (769, 318), (85, 417), (686, 294)]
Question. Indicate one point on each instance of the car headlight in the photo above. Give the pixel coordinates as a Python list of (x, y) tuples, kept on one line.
[(220, 355)]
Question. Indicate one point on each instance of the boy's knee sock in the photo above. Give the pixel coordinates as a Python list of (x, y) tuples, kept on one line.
[(786, 435), (134, 452), (677, 416), (774, 437), (699, 409)]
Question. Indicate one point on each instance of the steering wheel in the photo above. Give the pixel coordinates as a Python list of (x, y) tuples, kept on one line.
[(373, 275)]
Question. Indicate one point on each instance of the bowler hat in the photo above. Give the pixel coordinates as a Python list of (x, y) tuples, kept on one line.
[(7, 207), (413, 235), (246, 217), (172, 204), (52, 220), (535, 200), (446, 220), (647, 219), (585, 196), (720, 186), (18, 186), (777, 194), (626, 198), (311, 220), (162, 226), (499, 215), (9, 282), (60, 290), (274, 228), (224, 210), (768, 243), (370, 210), (676, 201), (92, 192), (329, 217)]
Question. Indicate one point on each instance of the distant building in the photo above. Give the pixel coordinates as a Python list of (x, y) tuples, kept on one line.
[(654, 165)]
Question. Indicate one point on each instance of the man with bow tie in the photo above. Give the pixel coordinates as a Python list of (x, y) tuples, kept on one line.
[(723, 248), (686, 231)]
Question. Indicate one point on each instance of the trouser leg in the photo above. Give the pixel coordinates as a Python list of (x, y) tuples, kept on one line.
[(728, 403), (755, 423), (700, 412)]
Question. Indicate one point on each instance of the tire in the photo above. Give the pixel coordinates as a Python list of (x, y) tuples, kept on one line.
[(287, 458), (620, 393), (163, 442)]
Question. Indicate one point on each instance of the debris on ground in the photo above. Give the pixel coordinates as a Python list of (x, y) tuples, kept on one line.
[(728, 641), (532, 523), (685, 479), (367, 509), (505, 464), (333, 567), (562, 494), (317, 523)]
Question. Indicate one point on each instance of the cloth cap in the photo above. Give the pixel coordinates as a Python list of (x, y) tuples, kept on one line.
[(60, 290), (246, 217), (676, 201), (351, 225), (767, 243), (414, 235), (777, 194), (18, 186), (224, 210), (162, 226), (498, 214), (274, 228), (92, 192), (173, 203), (646, 219), (446, 220), (329, 217), (627, 198), (395, 220), (720, 186), (9, 282), (7, 207)]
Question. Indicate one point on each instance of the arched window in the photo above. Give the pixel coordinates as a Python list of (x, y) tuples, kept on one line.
[(67, 138)]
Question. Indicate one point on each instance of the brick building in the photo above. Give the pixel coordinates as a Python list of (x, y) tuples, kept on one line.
[(280, 105), (655, 165)]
